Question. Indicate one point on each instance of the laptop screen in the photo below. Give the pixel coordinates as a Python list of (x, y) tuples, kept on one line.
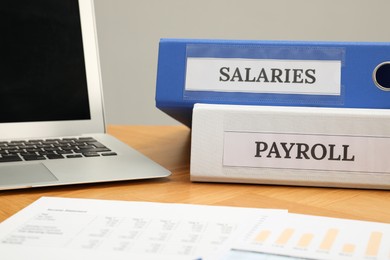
[(42, 66)]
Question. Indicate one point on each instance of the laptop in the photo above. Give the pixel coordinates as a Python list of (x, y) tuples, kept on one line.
[(52, 127)]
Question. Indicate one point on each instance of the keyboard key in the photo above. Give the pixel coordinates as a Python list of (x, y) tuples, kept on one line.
[(74, 156), (86, 139), (55, 156), (10, 158), (91, 154), (93, 150), (109, 154), (34, 157), (97, 144), (69, 139)]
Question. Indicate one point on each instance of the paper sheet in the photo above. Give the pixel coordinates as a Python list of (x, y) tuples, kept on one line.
[(61, 228)]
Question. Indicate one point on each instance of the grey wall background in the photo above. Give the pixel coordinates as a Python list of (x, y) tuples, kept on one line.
[(129, 32)]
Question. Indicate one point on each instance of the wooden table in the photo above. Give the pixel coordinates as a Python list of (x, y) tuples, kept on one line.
[(170, 147)]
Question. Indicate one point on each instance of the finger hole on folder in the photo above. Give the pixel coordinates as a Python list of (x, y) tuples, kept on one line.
[(381, 76)]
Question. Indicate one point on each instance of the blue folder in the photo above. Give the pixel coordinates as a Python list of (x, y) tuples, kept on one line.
[(364, 74)]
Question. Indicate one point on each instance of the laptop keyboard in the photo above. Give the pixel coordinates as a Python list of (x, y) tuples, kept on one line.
[(49, 149)]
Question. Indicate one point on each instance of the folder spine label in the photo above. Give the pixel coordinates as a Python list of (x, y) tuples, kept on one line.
[(264, 76), (305, 151)]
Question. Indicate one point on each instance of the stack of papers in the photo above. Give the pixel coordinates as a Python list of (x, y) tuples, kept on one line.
[(62, 228)]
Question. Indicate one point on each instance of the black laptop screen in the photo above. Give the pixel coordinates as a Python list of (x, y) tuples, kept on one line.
[(42, 67)]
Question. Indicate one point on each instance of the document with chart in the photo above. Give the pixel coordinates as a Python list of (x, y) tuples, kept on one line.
[(312, 237), (60, 228), (64, 228)]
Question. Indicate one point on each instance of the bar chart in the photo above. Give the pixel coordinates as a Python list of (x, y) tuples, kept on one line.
[(318, 238)]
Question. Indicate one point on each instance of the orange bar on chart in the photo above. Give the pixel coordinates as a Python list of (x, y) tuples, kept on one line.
[(329, 239), (373, 244), (285, 236), (348, 249), (262, 236), (305, 240)]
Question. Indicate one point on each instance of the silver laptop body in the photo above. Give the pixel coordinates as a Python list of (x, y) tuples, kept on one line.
[(51, 94)]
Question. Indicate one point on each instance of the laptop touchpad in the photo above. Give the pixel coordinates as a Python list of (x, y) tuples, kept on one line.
[(25, 174)]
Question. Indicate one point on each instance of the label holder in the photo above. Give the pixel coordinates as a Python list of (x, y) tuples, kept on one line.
[(263, 52)]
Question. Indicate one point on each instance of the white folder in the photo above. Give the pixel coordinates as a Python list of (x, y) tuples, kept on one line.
[(310, 146)]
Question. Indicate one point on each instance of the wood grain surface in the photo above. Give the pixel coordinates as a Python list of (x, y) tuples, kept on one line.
[(170, 147)]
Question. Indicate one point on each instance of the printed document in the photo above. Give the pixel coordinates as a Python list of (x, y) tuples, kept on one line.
[(62, 228)]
